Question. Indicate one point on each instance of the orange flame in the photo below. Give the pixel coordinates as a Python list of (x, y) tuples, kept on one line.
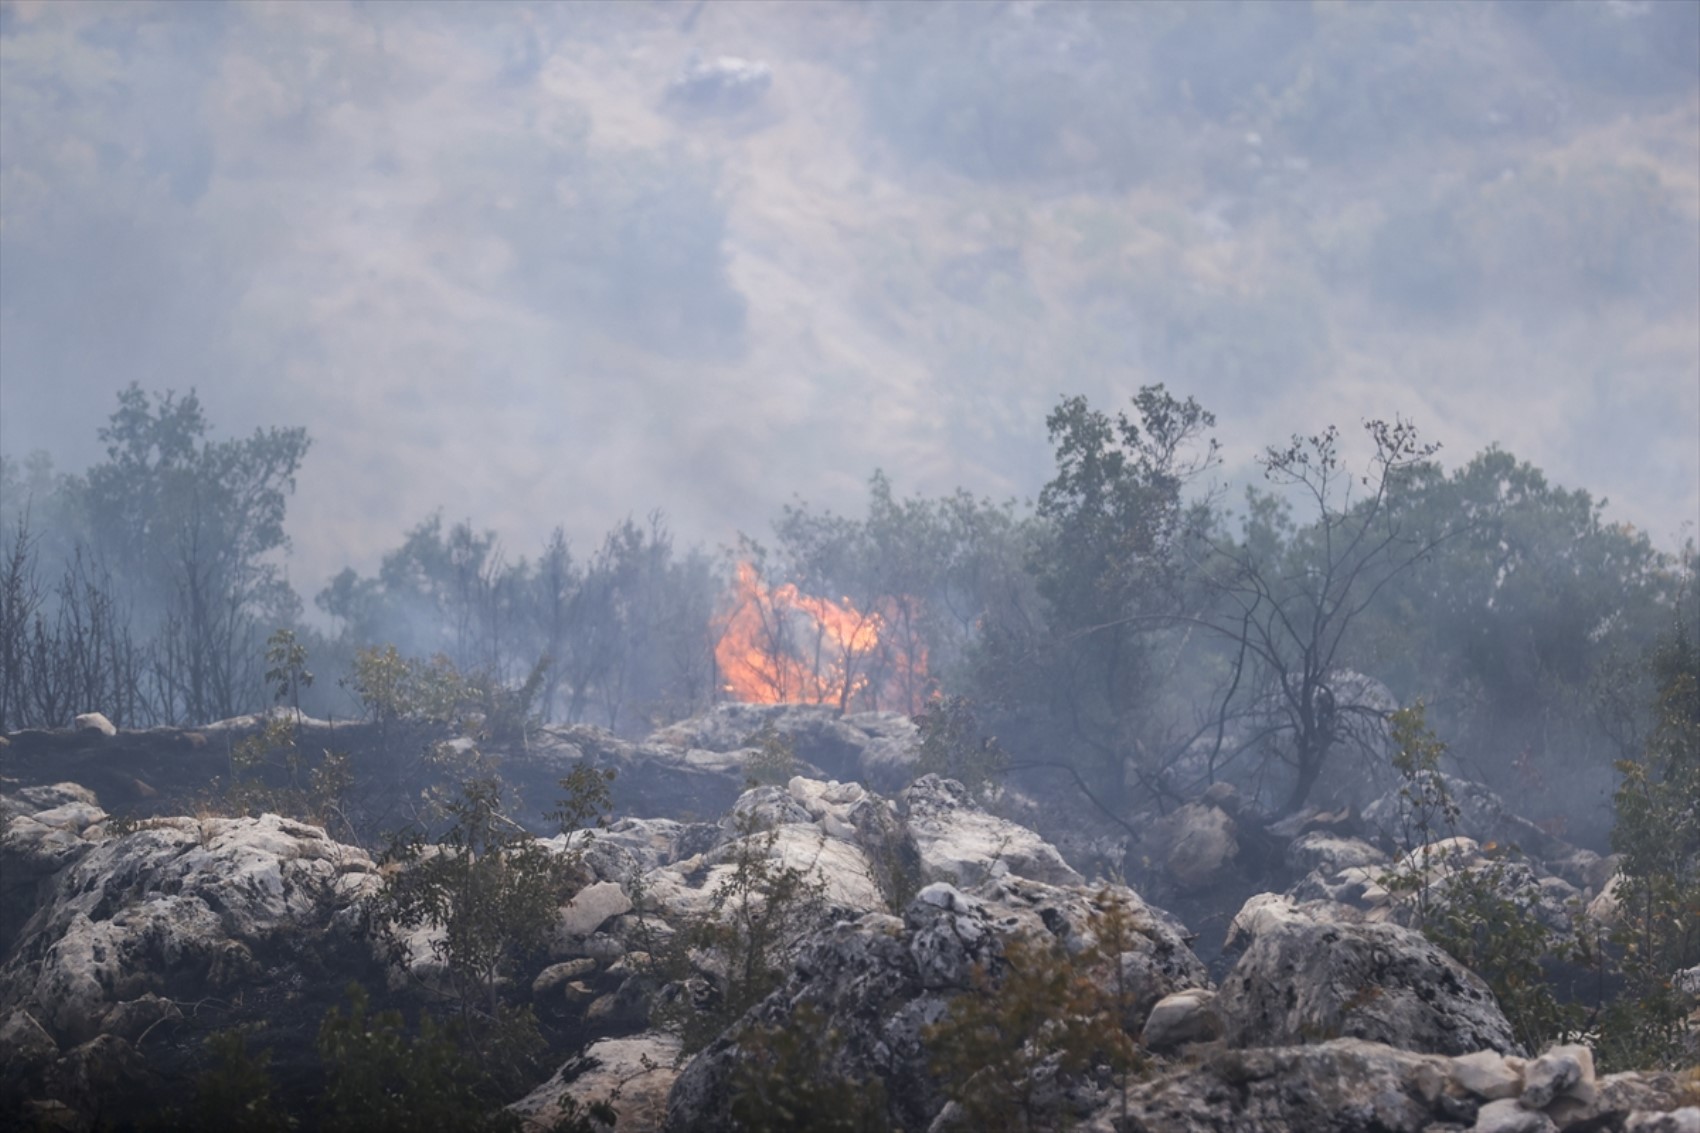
[(779, 645)]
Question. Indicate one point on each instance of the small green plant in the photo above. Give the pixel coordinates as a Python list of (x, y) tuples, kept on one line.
[(1657, 933), (757, 914), (382, 1077), (772, 760), (490, 886), (491, 891), (783, 1082), (1034, 1019), (1475, 912), (393, 688), (954, 746), (287, 673), (235, 1091), (269, 771)]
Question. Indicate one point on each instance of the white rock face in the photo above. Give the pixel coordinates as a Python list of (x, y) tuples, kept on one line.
[(591, 907), (687, 888), (1684, 1120), (1322, 850), (1195, 844), (640, 1068), (1508, 1116), (1183, 1017), (1489, 1074), (963, 844), (179, 894), (95, 722), (1263, 912), (1378, 982), (1605, 907), (1562, 1071)]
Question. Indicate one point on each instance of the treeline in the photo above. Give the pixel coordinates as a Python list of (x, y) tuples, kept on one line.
[(1132, 630)]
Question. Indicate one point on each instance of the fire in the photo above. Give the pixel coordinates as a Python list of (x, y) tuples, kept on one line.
[(780, 645)]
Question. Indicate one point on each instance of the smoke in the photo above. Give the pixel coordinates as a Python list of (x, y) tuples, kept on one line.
[(496, 271)]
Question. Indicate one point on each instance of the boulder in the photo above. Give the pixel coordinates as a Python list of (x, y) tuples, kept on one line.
[(875, 748), (638, 1072), (94, 722), (1183, 1017), (590, 907), (180, 900), (1563, 1071), (958, 841), (1330, 852), (1481, 815), (1684, 1120), (1303, 981), (1338, 1085), (879, 981), (1196, 845), (46, 830), (1488, 1074), (1509, 1116)]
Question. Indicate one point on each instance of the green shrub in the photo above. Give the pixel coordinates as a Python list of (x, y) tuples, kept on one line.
[(1034, 1020), (382, 1078), (235, 1092), (773, 758), (1476, 915), (954, 746), (743, 944), (782, 1083), (493, 891), (1658, 833)]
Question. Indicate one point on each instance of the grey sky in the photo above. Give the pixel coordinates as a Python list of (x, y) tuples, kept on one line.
[(494, 270)]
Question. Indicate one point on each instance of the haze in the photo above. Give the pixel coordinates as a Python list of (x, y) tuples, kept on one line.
[(496, 268)]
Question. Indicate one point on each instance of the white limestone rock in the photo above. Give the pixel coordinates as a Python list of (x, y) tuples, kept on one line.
[(1182, 1017), (1684, 1120), (1488, 1074), (961, 843), (1560, 1071), (1507, 1115), (641, 1068), (1196, 845), (1378, 982), (94, 723), (185, 897), (1330, 852), (591, 907)]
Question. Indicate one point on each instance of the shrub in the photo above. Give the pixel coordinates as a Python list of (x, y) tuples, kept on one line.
[(1033, 1021), (235, 1092), (1476, 914), (779, 1085), (1658, 834), (381, 1078), (743, 944), (493, 891), (773, 760), (954, 746)]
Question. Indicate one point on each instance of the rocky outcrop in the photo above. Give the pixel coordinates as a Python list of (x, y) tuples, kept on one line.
[(1350, 1085), (1481, 815), (1195, 844), (1330, 1015), (877, 749), (45, 830), (880, 980), (180, 903), (1304, 980), (636, 1074)]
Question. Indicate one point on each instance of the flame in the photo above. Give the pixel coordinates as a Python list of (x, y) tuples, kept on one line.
[(779, 645)]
